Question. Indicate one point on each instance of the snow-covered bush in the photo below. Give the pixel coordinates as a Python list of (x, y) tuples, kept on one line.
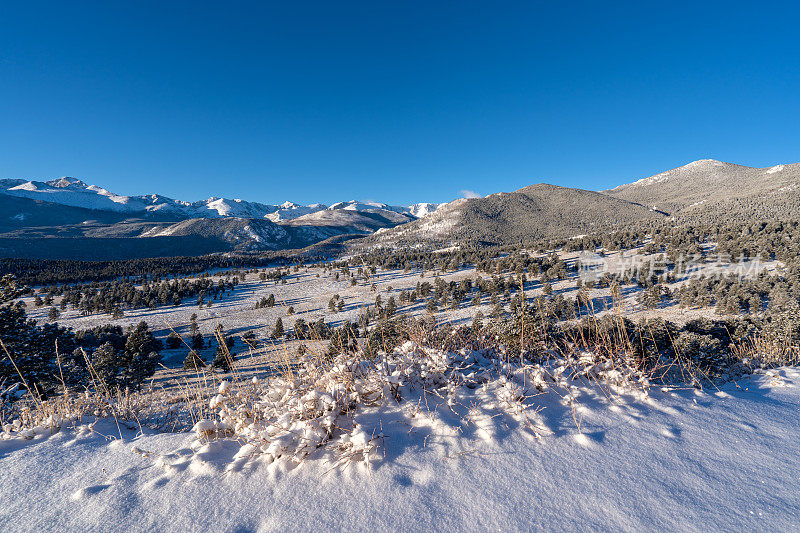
[(336, 410)]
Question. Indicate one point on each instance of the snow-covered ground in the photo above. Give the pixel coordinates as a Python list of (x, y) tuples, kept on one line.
[(684, 460), (304, 291), (309, 296)]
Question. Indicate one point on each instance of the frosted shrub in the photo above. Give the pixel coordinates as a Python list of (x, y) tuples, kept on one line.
[(335, 410)]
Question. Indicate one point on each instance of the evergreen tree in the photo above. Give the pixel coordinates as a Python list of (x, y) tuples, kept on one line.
[(300, 329), (277, 331), (105, 365), (198, 343), (431, 306), (193, 362), (173, 340), (222, 361)]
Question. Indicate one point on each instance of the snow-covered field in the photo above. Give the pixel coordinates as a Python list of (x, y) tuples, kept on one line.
[(309, 290), (304, 291), (604, 459)]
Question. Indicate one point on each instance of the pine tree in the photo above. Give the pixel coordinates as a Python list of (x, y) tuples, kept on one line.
[(300, 329), (198, 343), (277, 332), (547, 288), (193, 362), (173, 340), (222, 361), (141, 355), (105, 365), (431, 307)]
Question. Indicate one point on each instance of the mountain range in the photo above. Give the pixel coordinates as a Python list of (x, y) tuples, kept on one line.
[(75, 193), (67, 218), (68, 208)]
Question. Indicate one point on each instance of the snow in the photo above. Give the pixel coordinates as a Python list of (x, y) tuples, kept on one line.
[(67, 182), (234, 208), (716, 460), (7, 183), (423, 209), (702, 164), (291, 211), (790, 187), (309, 295), (75, 193), (355, 205), (775, 169)]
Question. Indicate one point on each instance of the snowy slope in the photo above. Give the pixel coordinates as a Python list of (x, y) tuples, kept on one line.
[(75, 193), (423, 209), (678, 460), (356, 220), (709, 183), (290, 211)]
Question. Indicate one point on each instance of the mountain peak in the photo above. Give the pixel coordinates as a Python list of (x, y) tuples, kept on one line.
[(705, 163), (66, 182)]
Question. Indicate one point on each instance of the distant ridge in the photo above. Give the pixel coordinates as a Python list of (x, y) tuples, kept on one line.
[(74, 192), (36, 216)]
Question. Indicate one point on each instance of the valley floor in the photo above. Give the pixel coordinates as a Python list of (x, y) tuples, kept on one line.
[(309, 291), (678, 460)]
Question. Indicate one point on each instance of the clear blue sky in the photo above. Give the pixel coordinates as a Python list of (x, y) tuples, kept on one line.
[(392, 101)]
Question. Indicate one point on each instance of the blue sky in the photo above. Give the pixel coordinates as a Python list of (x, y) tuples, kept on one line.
[(393, 101)]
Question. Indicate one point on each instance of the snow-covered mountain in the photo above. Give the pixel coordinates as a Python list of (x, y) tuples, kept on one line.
[(535, 212), (73, 192), (35, 213), (719, 189), (291, 210)]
